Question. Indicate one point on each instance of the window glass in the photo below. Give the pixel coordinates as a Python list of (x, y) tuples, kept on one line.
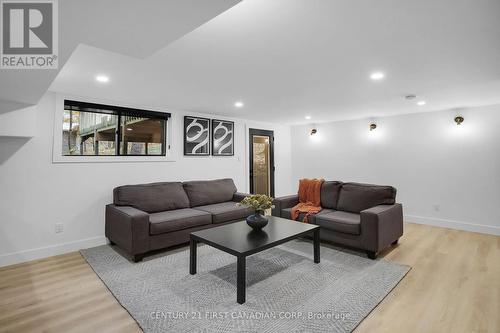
[(142, 136), (111, 131), (88, 133)]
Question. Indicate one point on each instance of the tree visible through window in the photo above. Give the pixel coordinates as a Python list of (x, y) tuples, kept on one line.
[(94, 129)]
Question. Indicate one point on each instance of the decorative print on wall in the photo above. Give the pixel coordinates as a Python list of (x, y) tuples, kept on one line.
[(222, 138), (196, 136)]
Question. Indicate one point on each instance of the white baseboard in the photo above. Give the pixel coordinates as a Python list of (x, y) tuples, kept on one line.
[(443, 223), (48, 251)]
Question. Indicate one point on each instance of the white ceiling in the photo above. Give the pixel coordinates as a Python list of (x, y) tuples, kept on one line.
[(289, 58), (130, 27)]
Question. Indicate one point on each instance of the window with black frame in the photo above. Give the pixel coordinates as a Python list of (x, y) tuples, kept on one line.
[(104, 130)]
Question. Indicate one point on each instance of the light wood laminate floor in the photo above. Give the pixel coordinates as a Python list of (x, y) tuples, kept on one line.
[(454, 286)]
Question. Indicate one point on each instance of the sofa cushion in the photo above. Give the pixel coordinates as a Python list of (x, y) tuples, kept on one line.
[(287, 214), (152, 198), (345, 222), (330, 194), (173, 220), (226, 211), (207, 192), (355, 197), (312, 218)]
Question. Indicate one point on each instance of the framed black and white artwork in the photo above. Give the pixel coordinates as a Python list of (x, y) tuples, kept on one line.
[(222, 138), (196, 136)]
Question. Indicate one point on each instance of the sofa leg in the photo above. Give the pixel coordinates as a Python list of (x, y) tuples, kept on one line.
[(371, 254), (395, 242), (138, 257)]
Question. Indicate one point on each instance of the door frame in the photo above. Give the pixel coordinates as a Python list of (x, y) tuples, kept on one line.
[(272, 168)]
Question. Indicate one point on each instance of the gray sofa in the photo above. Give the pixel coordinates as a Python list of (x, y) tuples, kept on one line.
[(362, 216), (153, 216)]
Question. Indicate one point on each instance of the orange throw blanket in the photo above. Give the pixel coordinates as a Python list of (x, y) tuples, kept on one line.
[(309, 198)]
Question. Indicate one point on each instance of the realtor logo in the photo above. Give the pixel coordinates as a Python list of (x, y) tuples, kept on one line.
[(29, 34)]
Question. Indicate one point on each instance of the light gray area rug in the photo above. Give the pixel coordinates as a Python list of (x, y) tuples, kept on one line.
[(286, 291)]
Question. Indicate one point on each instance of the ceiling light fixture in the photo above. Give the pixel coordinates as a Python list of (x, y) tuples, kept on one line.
[(373, 126), (421, 103), (314, 131), (459, 120), (377, 76), (308, 117), (102, 78), (239, 104), (410, 97)]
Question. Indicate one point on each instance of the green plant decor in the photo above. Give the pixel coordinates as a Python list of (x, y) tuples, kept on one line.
[(259, 202)]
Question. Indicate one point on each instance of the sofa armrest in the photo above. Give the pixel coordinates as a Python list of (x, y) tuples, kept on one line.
[(381, 225), (237, 197), (128, 227), (284, 202)]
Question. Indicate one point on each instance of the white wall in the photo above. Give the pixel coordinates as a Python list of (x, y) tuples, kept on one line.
[(18, 123), (36, 193), (446, 175)]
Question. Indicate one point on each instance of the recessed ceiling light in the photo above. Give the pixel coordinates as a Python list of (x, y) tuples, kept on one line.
[(308, 117), (102, 78), (239, 104), (377, 76), (129, 129), (421, 103)]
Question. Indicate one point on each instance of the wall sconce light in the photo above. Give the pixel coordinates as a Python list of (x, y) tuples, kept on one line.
[(373, 126), (314, 131), (459, 120)]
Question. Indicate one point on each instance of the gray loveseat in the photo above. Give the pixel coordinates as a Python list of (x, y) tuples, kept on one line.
[(362, 216), (153, 216)]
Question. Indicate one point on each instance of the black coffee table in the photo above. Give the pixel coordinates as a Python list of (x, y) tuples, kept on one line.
[(241, 241)]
